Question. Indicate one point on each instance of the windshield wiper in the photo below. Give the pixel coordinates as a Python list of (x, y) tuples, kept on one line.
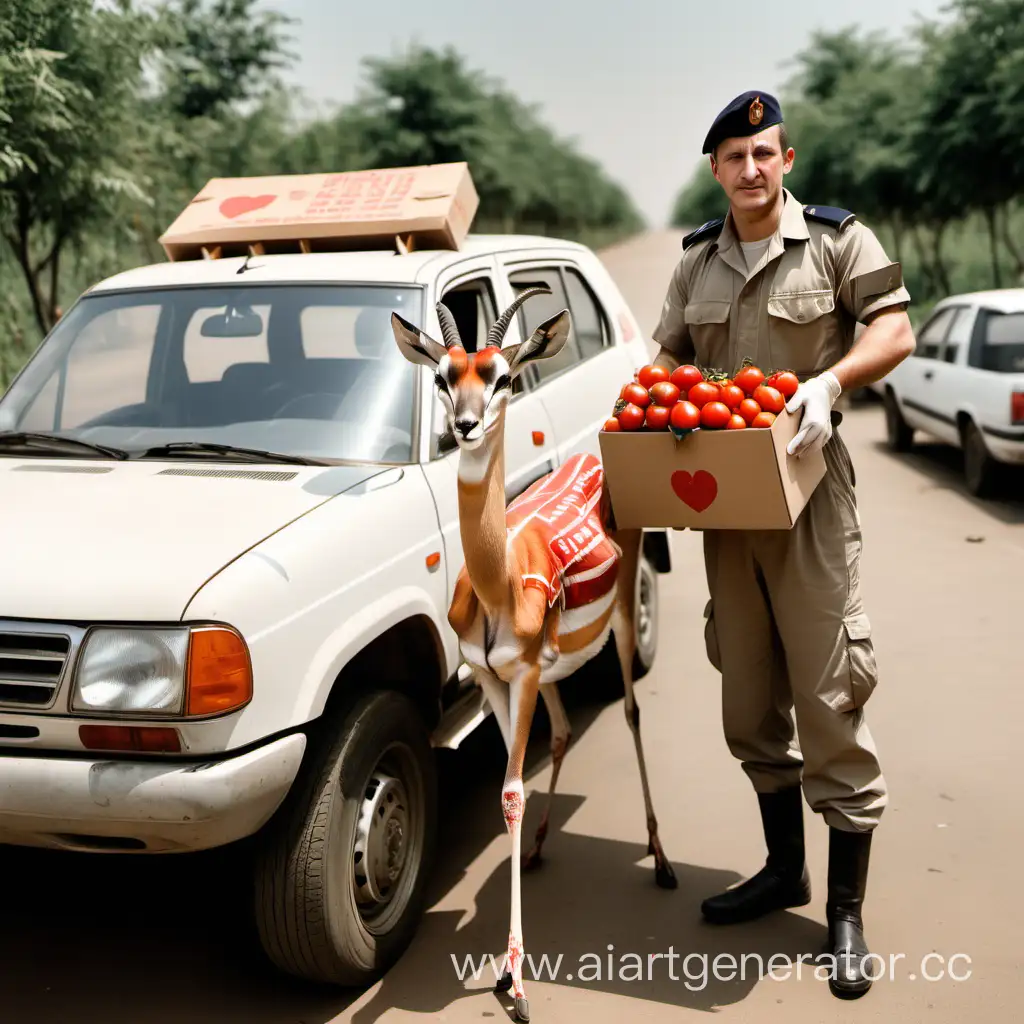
[(187, 448), (55, 445)]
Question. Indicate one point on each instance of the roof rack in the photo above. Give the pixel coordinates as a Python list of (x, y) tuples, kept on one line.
[(403, 209)]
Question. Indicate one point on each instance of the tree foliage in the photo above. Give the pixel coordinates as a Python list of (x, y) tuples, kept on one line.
[(114, 113), (922, 140)]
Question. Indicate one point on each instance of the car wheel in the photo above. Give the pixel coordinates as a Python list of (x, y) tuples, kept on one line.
[(899, 435), (980, 468), (646, 619), (340, 886)]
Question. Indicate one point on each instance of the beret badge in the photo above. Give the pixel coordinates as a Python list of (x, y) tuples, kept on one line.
[(756, 111)]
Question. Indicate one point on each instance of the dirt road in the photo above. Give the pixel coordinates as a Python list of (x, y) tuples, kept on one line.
[(943, 573)]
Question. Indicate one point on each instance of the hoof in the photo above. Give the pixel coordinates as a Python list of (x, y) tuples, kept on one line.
[(522, 1009), (665, 877), (505, 984), (532, 860)]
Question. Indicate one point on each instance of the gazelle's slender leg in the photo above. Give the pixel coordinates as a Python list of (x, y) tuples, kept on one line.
[(561, 734), (625, 645), (496, 692), (522, 703)]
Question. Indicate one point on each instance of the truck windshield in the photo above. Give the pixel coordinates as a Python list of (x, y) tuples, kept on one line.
[(1002, 342), (304, 370)]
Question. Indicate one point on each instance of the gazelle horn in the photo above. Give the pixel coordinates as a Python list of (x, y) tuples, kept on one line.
[(497, 331), (449, 331)]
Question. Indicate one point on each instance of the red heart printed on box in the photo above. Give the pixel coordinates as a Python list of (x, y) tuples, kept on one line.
[(698, 490), (237, 205)]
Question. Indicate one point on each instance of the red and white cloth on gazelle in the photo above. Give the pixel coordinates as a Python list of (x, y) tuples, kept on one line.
[(581, 563)]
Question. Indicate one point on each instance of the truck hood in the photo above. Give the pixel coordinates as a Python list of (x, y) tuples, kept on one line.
[(87, 541)]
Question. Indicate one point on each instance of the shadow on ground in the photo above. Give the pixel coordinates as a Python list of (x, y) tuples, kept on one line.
[(117, 939)]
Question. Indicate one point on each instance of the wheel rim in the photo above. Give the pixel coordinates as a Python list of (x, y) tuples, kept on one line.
[(388, 841), (646, 613)]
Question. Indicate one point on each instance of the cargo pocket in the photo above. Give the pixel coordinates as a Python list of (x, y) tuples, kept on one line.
[(796, 339), (708, 324), (711, 636), (860, 659)]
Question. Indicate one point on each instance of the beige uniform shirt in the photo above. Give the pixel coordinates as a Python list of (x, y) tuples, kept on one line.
[(795, 309)]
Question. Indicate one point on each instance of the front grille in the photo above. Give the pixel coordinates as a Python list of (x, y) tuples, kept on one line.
[(31, 666)]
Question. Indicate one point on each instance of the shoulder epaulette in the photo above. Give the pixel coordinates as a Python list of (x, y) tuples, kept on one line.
[(706, 230), (834, 216)]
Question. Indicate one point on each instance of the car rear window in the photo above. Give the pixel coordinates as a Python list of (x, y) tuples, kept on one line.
[(1002, 342)]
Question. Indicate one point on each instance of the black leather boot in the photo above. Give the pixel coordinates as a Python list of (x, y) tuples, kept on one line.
[(848, 855), (783, 881)]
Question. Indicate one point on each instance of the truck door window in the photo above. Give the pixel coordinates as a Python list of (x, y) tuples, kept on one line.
[(537, 309), (474, 308), (589, 322), (959, 334)]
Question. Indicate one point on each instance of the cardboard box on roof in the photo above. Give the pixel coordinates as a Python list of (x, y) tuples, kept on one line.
[(709, 479), (425, 207)]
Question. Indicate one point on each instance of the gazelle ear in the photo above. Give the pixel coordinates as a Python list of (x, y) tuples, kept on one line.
[(416, 346), (547, 340)]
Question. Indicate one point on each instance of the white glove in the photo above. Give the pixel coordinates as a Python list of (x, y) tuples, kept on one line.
[(816, 397)]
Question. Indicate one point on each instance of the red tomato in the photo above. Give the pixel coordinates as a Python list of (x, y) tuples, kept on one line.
[(631, 417), (749, 378), (657, 417), (736, 422), (685, 416), (748, 410), (763, 419), (769, 399), (665, 393), (786, 383), (701, 394), (636, 394), (612, 424), (650, 375), (684, 377), (732, 396), (715, 415)]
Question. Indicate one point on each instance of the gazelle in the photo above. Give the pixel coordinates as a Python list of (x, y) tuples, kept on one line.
[(544, 579)]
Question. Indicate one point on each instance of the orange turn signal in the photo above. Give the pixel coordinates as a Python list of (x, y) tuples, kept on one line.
[(433, 559), (219, 676), (148, 738)]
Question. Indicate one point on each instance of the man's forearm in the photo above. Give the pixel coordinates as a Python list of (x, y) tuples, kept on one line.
[(886, 341), (666, 358)]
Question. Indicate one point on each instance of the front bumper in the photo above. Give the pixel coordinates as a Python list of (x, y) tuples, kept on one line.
[(143, 806)]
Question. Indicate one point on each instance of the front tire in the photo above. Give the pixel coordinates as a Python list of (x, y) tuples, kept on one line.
[(340, 886)]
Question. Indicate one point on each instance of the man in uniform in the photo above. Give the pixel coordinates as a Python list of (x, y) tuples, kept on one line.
[(784, 286)]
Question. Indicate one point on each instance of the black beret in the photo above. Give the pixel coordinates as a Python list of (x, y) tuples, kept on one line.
[(750, 113)]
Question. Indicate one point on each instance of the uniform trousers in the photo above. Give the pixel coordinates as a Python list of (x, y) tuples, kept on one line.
[(787, 630)]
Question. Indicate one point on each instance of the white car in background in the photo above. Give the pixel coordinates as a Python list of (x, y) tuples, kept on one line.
[(231, 540), (964, 384)]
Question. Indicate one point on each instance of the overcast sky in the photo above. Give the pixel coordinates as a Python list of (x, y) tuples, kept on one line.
[(637, 83)]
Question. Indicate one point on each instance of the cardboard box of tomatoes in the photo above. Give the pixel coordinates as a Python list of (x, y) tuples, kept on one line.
[(700, 449)]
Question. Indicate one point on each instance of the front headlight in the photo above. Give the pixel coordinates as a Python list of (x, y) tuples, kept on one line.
[(139, 671), (162, 672)]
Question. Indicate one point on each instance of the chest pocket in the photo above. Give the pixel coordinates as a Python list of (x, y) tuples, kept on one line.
[(708, 324), (802, 330)]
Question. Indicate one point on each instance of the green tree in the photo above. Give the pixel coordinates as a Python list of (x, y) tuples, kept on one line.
[(69, 130)]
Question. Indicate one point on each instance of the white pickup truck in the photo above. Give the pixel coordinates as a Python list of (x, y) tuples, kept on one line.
[(231, 539), (965, 384)]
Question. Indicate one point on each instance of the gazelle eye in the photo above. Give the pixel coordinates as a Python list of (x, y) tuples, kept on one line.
[(440, 382), (503, 381)]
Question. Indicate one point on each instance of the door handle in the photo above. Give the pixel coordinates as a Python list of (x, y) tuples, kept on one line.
[(928, 374)]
